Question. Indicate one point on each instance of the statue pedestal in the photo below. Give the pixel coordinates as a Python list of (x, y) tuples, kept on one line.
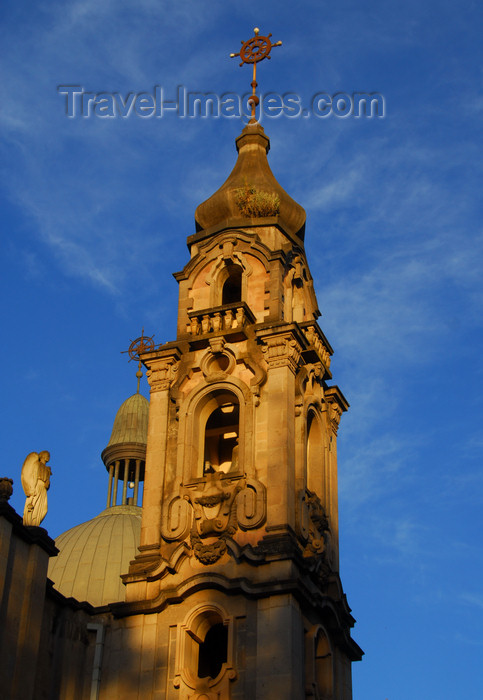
[(24, 557)]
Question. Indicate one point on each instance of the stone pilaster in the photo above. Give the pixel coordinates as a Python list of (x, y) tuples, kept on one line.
[(161, 373), (282, 351)]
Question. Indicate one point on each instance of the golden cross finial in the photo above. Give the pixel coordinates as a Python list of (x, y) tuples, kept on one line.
[(253, 51)]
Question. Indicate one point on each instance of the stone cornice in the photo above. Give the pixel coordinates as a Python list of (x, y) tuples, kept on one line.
[(289, 580), (243, 223), (70, 602), (124, 450)]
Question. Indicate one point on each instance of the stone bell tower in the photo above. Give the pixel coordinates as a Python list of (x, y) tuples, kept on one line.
[(236, 582)]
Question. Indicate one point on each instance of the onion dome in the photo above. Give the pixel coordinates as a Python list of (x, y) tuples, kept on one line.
[(251, 191), (93, 556)]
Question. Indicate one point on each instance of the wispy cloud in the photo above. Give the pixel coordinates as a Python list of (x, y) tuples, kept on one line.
[(474, 600)]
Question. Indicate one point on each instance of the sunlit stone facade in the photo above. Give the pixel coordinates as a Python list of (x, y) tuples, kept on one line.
[(234, 591)]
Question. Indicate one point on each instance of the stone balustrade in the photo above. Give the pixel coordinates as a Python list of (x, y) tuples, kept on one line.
[(219, 318)]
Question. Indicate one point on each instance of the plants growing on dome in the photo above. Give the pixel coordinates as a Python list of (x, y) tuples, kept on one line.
[(256, 203)]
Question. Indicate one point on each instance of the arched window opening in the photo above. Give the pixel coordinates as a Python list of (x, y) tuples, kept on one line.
[(221, 438), (213, 651), (323, 667), (232, 287), (315, 457)]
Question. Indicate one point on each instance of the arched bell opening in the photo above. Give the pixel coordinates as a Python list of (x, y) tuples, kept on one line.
[(315, 456), (221, 433), (218, 431), (232, 286)]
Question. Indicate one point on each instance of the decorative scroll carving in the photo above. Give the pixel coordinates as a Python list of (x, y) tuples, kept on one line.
[(313, 524), (252, 505), (282, 351), (335, 414), (336, 405), (176, 521), (259, 377)]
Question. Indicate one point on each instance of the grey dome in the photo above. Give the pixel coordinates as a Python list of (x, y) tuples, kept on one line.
[(94, 554)]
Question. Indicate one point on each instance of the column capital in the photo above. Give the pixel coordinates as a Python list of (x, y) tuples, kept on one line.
[(162, 367), (281, 348)]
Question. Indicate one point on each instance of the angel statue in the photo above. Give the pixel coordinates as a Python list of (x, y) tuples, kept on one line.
[(35, 481)]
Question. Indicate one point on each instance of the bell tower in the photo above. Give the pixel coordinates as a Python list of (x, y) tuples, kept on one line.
[(238, 566)]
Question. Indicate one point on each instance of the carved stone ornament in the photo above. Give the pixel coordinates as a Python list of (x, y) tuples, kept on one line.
[(252, 505), (315, 375), (213, 512), (215, 517), (161, 373), (313, 524), (335, 414), (176, 520), (282, 351), (217, 344)]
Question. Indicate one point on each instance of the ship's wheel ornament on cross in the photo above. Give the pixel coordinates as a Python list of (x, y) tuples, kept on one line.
[(137, 347), (253, 51)]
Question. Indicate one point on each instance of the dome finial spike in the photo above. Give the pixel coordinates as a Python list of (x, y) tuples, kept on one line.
[(253, 51), (139, 375)]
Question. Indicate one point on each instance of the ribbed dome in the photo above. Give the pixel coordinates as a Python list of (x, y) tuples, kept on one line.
[(93, 556), (131, 422), (251, 177)]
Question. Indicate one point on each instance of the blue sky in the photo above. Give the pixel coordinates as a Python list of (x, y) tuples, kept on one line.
[(95, 215)]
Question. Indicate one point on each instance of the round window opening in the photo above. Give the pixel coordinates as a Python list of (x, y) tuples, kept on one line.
[(219, 363)]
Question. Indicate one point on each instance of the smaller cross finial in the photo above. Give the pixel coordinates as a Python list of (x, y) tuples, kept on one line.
[(253, 51), (142, 344)]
